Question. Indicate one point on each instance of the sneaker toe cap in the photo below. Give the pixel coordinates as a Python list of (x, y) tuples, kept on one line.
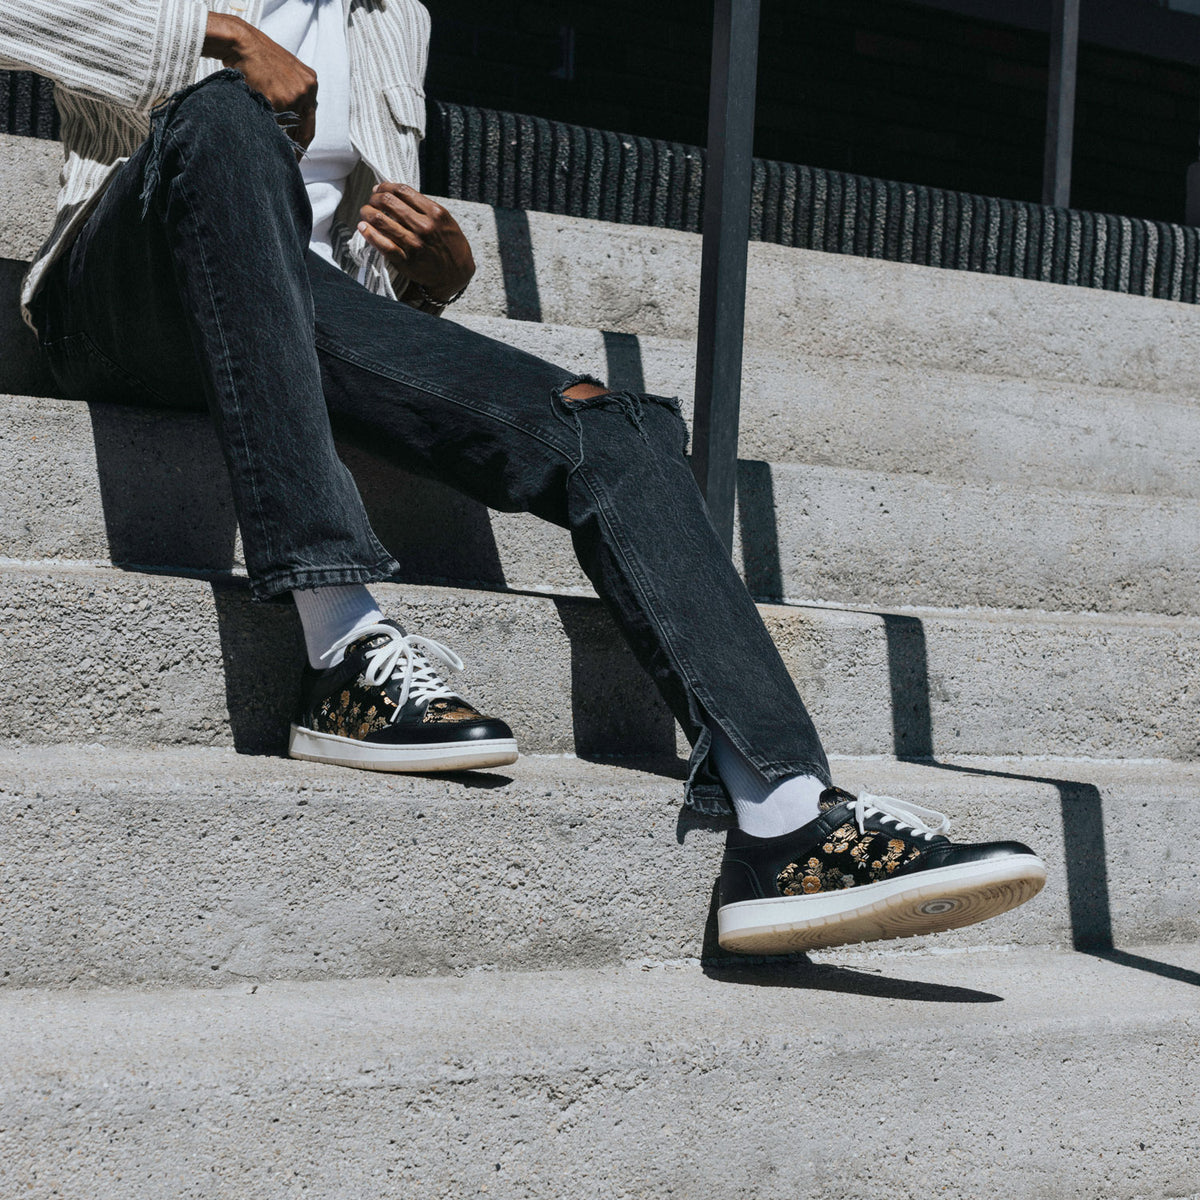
[(484, 730), (953, 854)]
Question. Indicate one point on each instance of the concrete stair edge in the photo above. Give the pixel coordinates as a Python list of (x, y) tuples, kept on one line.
[(187, 661), (1005, 1068), (151, 489), (200, 867), (838, 412), (645, 280)]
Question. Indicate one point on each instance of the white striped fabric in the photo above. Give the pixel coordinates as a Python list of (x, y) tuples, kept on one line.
[(111, 63)]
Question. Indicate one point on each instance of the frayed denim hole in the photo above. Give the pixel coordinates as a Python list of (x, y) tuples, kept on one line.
[(161, 115), (563, 410), (633, 404), (287, 121)]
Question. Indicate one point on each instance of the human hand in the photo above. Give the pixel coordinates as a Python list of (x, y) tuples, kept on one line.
[(287, 83), (419, 238)]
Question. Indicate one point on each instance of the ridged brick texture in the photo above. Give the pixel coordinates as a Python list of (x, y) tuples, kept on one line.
[(510, 160), (514, 161)]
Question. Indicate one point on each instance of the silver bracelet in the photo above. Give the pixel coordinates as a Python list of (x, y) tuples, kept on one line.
[(432, 301)]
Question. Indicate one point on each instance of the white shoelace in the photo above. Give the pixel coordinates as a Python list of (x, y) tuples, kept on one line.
[(404, 657), (926, 822)]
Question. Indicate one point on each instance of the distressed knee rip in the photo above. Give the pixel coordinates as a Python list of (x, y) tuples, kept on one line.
[(582, 392)]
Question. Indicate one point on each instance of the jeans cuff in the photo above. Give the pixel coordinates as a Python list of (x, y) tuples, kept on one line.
[(264, 587), (705, 793)]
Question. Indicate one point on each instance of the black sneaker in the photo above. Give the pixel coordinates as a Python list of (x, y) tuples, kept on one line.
[(385, 708), (869, 867)]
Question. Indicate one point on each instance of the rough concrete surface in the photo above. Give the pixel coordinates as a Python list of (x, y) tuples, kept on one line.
[(956, 423), (1028, 1074), (96, 654), (202, 868), (150, 489), (644, 280), (800, 407), (966, 440), (29, 170)]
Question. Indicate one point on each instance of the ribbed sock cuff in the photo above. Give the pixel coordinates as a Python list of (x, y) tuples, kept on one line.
[(329, 614), (763, 808)]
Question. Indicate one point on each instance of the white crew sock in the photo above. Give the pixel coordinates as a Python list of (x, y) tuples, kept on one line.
[(764, 809), (331, 613)]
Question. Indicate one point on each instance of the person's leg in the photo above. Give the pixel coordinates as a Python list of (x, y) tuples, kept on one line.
[(207, 285), (507, 429), (188, 287), (518, 434)]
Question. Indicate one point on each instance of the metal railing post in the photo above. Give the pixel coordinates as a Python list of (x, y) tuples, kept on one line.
[(727, 182), (1060, 103)]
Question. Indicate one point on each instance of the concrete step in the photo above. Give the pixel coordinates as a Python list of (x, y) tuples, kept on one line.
[(637, 279), (150, 488), (96, 654), (1034, 1075), (899, 418), (904, 417), (29, 170), (201, 867)]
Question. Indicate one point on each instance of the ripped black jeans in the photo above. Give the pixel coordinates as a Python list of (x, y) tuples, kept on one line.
[(210, 298)]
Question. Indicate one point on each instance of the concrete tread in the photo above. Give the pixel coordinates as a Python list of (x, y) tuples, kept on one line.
[(196, 865), (949, 421), (643, 280), (150, 488), (984, 1074), (68, 763), (190, 661)]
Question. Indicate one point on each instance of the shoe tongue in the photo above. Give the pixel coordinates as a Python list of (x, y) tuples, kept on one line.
[(831, 797), (372, 641)]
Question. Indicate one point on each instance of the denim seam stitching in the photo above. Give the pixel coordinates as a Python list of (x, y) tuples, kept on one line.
[(384, 567), (85, 341), (169, 133)]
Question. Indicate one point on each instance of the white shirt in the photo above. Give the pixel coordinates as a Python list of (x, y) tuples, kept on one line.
[(315, 32)]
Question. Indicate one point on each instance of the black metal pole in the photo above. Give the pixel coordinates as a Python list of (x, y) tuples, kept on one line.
[(723, 265), (1060, 103)]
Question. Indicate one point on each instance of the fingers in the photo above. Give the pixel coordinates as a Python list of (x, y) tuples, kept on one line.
[(288, 84), (407, 239), (397, 209), (305, 107), (410, 197), (383, 243)]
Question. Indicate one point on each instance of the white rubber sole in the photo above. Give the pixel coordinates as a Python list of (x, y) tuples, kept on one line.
[(928, 902), (312, 746)]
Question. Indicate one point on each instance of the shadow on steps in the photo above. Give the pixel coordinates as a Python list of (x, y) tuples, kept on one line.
[(796, 971), (1081, 804), (167, 508)]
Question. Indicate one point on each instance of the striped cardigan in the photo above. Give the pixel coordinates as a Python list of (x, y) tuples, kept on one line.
[(112, 62)]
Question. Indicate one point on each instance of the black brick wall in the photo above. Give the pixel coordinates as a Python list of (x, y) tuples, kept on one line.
[(882, 88), (877, 87)]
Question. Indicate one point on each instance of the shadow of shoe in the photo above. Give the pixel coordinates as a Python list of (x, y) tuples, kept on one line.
[(798, 971)]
